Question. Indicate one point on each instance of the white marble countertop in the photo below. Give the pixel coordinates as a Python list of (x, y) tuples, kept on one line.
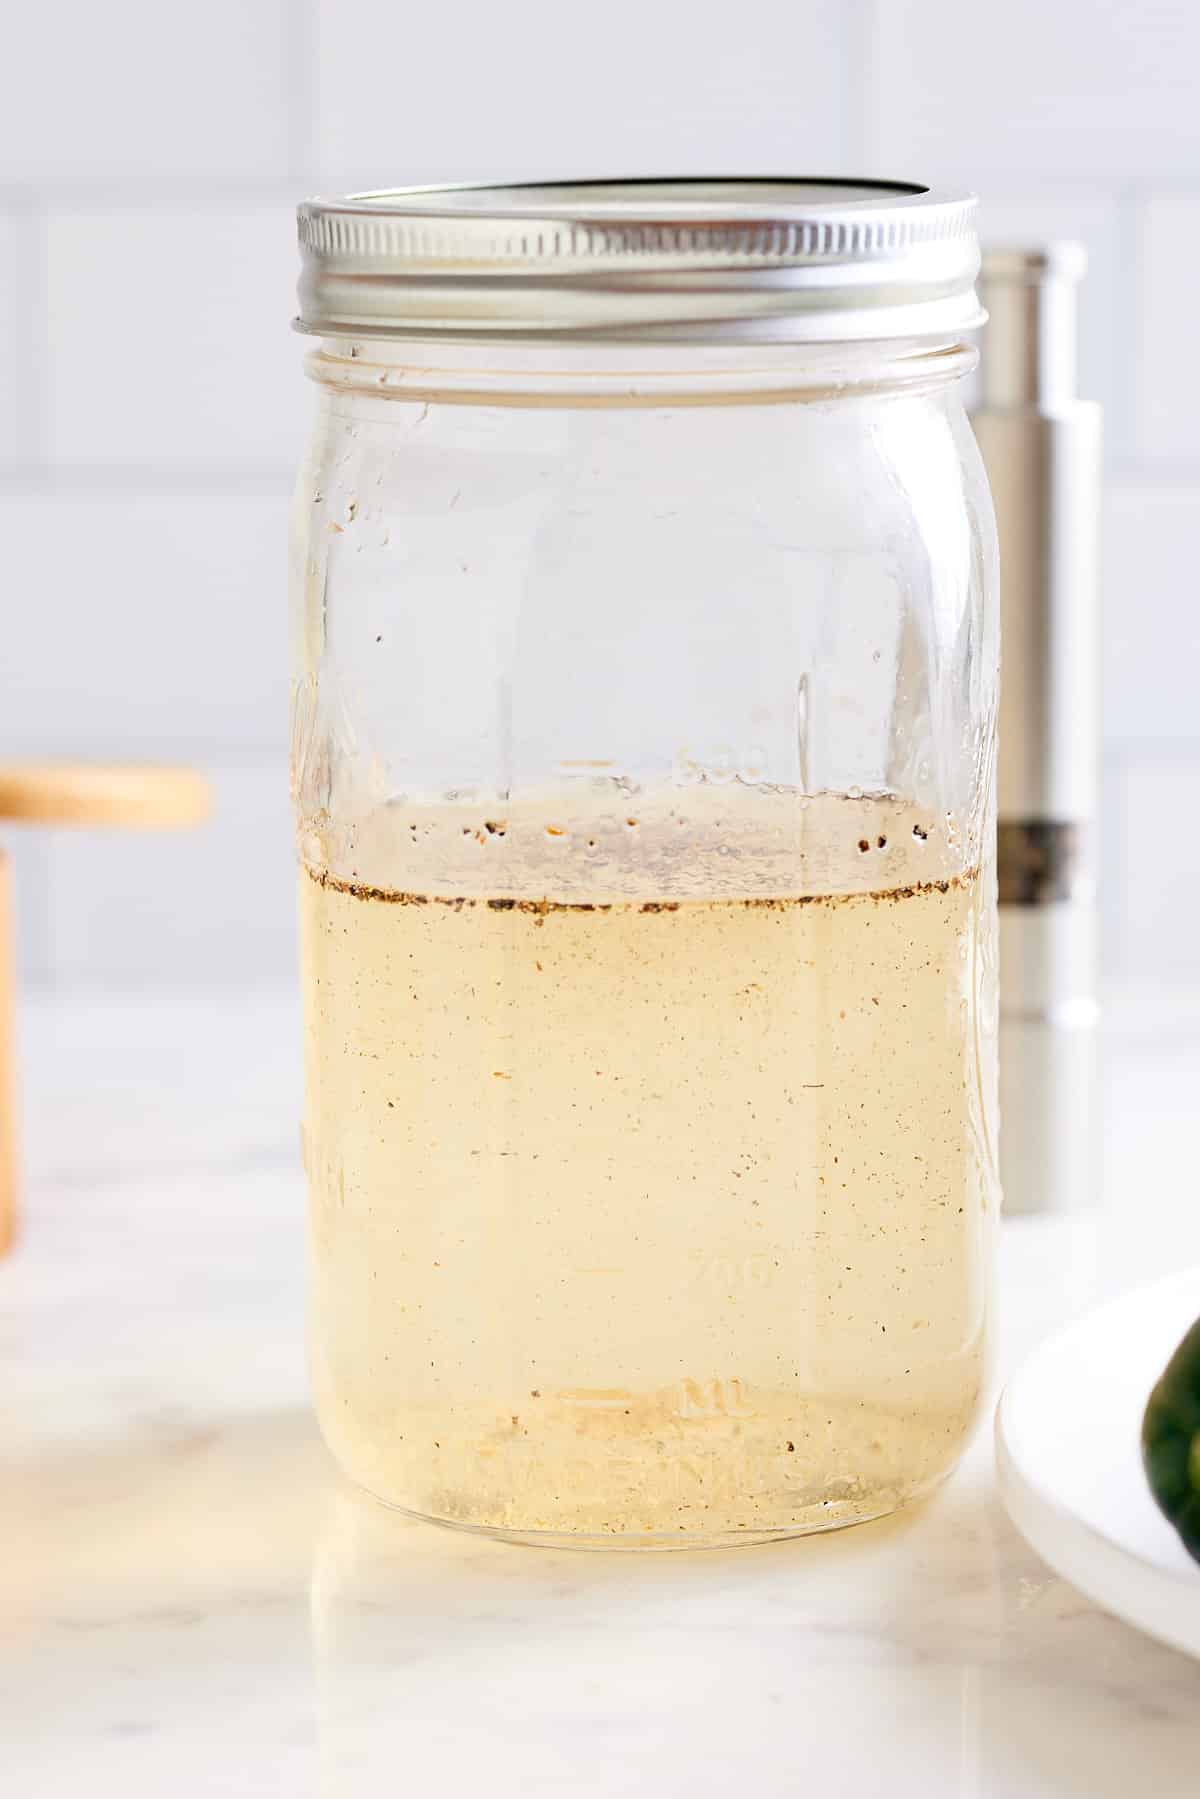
[(194, 1603)]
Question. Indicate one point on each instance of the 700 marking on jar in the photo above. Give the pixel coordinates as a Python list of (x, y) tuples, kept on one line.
[(726, 1273)]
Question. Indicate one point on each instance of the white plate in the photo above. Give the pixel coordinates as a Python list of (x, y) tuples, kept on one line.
[(1069, 1459)]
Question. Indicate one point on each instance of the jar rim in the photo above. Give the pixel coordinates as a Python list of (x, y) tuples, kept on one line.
[(700, 259)]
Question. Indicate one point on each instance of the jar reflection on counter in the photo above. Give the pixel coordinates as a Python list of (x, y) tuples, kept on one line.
[(642, 755)]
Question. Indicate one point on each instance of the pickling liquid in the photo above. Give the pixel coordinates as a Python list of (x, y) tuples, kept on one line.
[(654, 1217)]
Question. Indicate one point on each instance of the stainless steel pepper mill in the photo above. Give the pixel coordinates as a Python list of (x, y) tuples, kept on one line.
[(1041, 445)]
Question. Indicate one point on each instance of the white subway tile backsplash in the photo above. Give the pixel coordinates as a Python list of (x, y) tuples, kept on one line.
[(152, 405), (1166, 367), (1152, 830), (171, 339), (646, 90), (1034, 89), (210, 906), (1151, 629), (134, 88), (143, 625)]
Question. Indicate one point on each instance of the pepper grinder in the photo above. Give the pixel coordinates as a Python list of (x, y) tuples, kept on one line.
[(1041, 445)]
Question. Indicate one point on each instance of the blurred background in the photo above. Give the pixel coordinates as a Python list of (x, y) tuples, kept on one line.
[(152, 406)]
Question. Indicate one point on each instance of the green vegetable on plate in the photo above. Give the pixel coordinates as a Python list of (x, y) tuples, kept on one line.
[(1171, 1441)]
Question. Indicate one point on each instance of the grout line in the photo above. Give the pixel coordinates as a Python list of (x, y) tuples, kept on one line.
[(1127, 323), (860, 37), (1165, 474), (31, 366), (1119, 753), (300, 67), (148, 193), (1054, 182), (136, 480)]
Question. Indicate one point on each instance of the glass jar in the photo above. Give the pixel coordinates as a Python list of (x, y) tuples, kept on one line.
[(645, 691)]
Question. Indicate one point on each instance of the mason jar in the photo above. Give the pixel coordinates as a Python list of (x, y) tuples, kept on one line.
[(645, 681)]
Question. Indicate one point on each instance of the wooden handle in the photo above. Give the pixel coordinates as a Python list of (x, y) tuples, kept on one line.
[(66, 793)]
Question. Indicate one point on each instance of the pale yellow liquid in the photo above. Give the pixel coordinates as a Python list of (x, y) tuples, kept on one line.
[(650, 1217)]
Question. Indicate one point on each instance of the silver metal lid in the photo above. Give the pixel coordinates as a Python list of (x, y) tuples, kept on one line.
[(776, 260)]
